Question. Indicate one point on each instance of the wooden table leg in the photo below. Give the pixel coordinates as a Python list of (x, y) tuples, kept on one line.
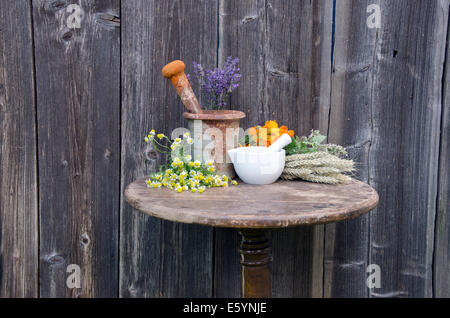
[(255, 256)]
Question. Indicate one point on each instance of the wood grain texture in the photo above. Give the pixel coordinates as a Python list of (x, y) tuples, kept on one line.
[(277, 205), (346, 243), (18, 166), (385, 91), (442, 242), (386, 108), (285, 49), (78, 107), (160, 258), (410, 135)]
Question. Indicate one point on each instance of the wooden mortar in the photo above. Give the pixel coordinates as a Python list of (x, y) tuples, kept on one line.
[(214, 132)]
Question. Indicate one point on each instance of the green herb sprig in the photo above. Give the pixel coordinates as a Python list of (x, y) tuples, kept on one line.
[(313, 143)]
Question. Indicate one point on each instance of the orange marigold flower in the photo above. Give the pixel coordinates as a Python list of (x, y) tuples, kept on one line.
[(271, 124), (285, 130), (253, 131), (268, 134), (263, 137)]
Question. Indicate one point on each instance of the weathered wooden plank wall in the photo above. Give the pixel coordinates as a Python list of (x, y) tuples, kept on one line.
[(442, 242), (345, 256), (75, 104), (160, 258), (18, 165), (78, 112), (386, 107)]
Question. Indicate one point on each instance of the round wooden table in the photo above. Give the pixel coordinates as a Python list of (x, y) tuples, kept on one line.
[(253, 210)]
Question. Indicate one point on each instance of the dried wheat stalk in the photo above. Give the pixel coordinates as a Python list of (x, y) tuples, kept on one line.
[(320, 167)]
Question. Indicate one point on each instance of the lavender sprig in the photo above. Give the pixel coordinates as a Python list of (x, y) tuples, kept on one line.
[(216, 85)]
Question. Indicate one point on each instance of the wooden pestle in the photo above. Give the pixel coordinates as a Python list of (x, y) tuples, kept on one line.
[(175, 72)]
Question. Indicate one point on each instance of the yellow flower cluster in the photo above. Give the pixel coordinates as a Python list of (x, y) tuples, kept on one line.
[(150, 136), (164, 145), (188, 175)]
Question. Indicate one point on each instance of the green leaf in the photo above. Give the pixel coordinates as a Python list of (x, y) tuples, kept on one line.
[(318, 139)]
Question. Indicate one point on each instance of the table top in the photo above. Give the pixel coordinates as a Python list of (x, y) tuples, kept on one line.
[(282, 204)]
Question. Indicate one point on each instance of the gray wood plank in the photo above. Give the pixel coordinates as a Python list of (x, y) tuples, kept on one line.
[(78, 107), (442, 241), (285, 49), (405, 253), (386, 108), (346, 243), (160, 258), (18, 165)]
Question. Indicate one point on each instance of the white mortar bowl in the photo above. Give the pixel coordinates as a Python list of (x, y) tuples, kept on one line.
[(254, 165)]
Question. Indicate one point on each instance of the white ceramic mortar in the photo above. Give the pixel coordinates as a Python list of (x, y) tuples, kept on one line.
[(256, 165)]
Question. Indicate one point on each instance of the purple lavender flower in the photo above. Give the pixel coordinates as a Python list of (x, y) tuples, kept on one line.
[(216, 85)]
